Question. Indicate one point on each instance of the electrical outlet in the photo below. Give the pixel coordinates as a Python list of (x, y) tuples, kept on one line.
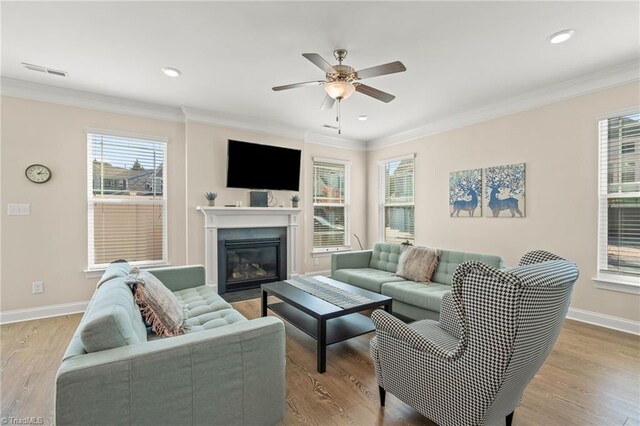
[(316, 261), (18, 209), (37, 287)]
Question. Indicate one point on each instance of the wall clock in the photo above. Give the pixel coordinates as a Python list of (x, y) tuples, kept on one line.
[(37, 173)]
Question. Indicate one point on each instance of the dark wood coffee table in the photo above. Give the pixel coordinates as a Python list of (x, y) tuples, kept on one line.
[(325, 322)]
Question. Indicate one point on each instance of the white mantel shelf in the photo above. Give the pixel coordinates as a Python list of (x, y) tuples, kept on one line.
[(249, 210), (248, 217)]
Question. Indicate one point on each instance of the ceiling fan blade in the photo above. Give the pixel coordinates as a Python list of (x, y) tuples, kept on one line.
[(327, 103), (375, 93), (320, 62), (293, 86), (390, 68)]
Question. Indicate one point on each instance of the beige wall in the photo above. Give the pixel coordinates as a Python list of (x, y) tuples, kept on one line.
[(206, 171), (51, 244), (559, 144)]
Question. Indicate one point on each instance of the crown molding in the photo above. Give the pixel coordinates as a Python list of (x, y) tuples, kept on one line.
[(615, 76), (335, 142), (196, 115), (77, 98)]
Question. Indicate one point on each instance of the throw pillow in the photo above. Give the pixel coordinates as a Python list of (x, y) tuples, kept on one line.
[(418, 263), (158, 305)]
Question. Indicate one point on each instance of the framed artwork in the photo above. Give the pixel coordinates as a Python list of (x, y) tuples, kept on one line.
[(465, 193), (504, 191)]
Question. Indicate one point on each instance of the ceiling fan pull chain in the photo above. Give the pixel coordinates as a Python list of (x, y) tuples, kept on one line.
[(338, 118)]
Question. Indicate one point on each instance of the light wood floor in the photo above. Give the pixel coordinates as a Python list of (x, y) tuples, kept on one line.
[(592, 377)]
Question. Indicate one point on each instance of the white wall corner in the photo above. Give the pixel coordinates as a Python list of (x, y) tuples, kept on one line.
[(335, 142), (602, 320), (615, 76), (29, 314)]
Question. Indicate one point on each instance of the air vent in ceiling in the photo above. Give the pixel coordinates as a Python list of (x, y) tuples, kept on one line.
[(44, 70)]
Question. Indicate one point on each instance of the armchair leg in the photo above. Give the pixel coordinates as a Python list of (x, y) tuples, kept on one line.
[(509, 419), (382, 393)]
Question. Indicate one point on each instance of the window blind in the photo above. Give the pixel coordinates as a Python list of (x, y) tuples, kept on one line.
[(397, 196), (331, 180), (127, 202), (619, 198)]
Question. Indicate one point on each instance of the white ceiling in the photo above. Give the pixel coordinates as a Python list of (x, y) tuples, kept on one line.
[(459, 55)]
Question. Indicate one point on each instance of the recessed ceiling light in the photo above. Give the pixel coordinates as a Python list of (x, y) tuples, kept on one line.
[(363, 117), (171, 72), (560, 36)]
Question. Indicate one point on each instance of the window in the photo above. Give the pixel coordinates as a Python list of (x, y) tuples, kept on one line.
[(331, 181), (619, 199), (396, 199), (127, 200)]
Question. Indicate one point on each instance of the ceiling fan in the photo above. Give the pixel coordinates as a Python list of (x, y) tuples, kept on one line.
[(342, 80)]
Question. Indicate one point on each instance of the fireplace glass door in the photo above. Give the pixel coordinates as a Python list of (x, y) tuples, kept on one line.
[(250, 261)]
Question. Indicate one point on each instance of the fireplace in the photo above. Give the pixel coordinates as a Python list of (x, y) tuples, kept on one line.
[(248, 257)]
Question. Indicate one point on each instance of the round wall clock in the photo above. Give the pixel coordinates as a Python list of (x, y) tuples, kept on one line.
[(38, 173)]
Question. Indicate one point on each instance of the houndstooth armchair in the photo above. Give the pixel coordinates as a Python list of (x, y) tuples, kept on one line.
[(496, 329)]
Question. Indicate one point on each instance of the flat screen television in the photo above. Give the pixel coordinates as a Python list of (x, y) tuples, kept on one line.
[(256, 166)]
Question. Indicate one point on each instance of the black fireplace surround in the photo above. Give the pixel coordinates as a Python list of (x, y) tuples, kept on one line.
[(248, 257)]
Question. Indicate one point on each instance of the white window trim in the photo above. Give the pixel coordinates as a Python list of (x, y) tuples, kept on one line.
[(617, 282), (381, 194), (609, 280), (96, 270), (326, 251)]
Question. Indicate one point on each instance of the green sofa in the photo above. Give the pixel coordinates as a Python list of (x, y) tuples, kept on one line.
[(226, 370), (375, 270)]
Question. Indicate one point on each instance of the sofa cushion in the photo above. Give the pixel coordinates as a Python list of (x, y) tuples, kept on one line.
[(418, 263), (112, 319), (367, 278), (385, 257), (417, 294), (158, 305), (449, 261), (206, 309)]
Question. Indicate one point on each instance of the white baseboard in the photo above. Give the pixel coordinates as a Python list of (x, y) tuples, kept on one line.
[(326, 273), (42, 312), (608, 321)]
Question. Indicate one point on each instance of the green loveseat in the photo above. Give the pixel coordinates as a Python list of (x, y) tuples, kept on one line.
[(375, 270), (226, 370)]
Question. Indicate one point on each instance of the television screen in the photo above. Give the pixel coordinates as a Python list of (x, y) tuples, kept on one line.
[(255, 166)]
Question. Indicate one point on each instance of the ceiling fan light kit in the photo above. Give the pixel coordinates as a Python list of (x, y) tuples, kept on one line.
[(341, 81), (339, 89)]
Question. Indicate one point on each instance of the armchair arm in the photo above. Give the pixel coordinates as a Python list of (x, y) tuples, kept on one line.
[(389, 326), (449, 320), (180, 277), (350, 259), (227, 375)]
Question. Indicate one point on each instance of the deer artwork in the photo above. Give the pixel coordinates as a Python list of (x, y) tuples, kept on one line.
[(464, 205), (497, 205)]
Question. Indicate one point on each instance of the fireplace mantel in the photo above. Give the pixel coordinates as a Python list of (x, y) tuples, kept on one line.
[(247, 217)]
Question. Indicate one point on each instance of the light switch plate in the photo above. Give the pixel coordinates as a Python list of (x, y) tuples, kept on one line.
[(18, 209)]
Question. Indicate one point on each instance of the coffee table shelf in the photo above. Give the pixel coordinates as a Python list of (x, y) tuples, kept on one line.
[(338, 329), (323, 321)]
